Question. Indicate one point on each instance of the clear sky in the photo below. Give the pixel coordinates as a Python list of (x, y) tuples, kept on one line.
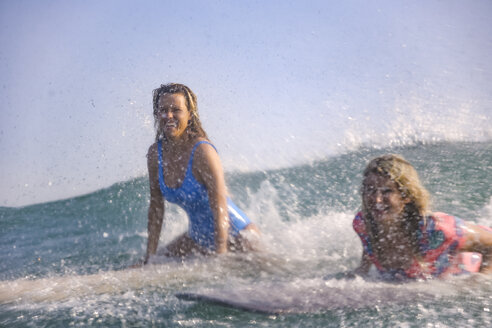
[(278, 82)]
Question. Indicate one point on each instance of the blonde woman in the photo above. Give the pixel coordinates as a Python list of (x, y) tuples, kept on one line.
[(402, 239), (184, 168)]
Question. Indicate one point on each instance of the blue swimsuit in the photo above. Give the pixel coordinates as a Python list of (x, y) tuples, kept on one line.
[(193, 198)]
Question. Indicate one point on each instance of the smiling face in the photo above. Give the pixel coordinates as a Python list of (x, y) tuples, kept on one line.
[(172, 115), (382, 199)]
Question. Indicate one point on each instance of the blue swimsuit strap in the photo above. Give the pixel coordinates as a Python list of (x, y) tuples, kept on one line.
[(190, 161)]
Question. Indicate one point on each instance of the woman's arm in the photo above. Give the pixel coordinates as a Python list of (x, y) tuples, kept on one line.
[(156, 204), (359, 226), (208, 170), (365, 265), (479, 239)]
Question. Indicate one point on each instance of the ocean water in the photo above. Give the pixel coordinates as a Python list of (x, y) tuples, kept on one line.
[(65, 263)]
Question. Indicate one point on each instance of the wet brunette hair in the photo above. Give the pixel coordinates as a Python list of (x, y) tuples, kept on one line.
[(400, 171), (194, 125)]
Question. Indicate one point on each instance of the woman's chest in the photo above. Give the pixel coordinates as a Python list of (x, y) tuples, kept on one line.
[(174, 172), (395, 254)]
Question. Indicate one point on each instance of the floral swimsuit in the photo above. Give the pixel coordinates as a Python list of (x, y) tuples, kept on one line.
[(440, 241)]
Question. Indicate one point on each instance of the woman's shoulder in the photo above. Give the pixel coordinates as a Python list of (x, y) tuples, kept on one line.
[(205, 158), (152, 152), (201, 142), (152, 149), (204, 148)]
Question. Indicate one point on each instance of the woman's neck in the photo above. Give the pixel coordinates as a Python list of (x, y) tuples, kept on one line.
[(179, 144)]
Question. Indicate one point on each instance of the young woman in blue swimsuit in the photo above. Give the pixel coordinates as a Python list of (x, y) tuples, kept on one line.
[(402, 239), (185, 169)]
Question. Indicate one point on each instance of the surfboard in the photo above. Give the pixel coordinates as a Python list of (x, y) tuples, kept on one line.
[(288, 299)]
